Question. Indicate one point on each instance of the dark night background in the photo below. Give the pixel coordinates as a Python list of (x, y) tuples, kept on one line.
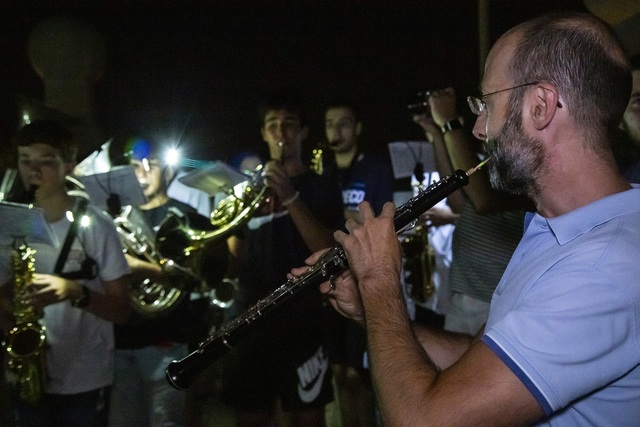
[(199, 69)]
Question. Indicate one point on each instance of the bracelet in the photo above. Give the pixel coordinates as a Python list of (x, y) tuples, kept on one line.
[(291, 199), (450, 125)]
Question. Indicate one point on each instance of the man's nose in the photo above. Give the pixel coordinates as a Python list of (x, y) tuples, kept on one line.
[(33, 166), (479, 129)]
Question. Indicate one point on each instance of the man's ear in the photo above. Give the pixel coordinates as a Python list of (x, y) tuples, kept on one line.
[(545, 103)]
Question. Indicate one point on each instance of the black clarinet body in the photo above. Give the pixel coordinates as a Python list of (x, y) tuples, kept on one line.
[(181, 373)]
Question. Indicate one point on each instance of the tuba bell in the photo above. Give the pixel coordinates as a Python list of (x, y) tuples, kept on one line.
[(146, 296)]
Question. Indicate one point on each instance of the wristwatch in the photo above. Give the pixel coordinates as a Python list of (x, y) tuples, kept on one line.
[(450, 125), (83, 300)]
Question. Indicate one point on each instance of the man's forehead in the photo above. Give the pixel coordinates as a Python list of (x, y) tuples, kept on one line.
[(339, 113), (280, 115), (43, 150), (498, 60)]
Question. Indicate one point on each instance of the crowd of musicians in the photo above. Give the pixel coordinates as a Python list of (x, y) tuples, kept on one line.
[(534, 319)]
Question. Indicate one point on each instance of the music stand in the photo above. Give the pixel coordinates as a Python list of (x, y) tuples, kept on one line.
[(22, 221), (120, 182), (406, 154), (214, 178)]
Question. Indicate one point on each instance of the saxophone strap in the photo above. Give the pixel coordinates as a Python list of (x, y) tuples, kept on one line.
[(71, 235)]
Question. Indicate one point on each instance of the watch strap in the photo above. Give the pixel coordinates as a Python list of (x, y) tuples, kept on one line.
[(450, 125), (83, 300)]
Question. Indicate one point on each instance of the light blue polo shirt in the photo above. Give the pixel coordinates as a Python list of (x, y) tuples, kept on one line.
[(566, 315)]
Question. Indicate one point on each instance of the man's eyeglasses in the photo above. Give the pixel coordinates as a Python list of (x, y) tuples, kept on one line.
[(477, 104)]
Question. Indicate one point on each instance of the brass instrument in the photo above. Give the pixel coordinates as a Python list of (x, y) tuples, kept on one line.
[(183, 243), (25, 343), (147, 297), (317, 157), (420, 257), (203, 261), (317, 160), (178, 238), (419, 263)]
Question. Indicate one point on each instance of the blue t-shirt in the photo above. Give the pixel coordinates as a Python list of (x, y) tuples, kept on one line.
[(368, 178), (566, 315)]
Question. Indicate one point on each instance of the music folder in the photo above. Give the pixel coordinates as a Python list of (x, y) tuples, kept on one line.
[(119, 181), (26, 222)]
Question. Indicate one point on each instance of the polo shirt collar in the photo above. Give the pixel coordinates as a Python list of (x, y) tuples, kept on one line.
[(567, 227)]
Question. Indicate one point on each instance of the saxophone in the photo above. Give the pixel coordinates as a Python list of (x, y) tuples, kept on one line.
[(420, 263), (25, 343)]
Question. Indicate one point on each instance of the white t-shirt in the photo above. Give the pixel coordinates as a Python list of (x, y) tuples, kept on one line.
[(80, 345)]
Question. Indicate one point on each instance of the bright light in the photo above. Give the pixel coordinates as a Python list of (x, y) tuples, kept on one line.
[(172, 157), (85, 221)]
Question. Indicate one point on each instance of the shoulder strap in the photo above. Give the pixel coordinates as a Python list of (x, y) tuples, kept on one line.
[(71, 235)]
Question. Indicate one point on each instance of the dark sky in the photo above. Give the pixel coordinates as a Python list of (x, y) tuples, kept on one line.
[(200, 68)]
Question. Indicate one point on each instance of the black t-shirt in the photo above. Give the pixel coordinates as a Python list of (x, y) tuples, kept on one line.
[(273, 245)]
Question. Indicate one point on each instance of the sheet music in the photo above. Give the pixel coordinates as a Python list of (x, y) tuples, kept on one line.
[(19, 220), (405, 154), (214, 178), (96, 162), (120, 180)]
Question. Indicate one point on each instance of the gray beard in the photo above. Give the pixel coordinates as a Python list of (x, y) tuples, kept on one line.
[(516, 159)]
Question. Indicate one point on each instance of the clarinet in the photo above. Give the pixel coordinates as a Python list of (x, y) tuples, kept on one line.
[(181, 373)]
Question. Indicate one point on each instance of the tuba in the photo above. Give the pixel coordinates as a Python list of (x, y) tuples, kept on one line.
[(147, 297), (25, 343)]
